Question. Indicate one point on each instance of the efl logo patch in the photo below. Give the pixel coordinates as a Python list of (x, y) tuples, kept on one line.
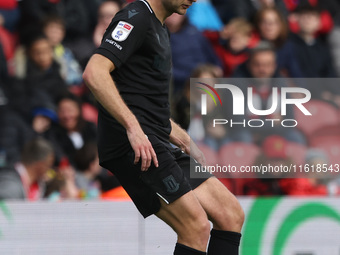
[(122, 31)]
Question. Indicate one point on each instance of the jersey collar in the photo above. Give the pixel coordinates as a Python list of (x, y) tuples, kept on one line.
[(148, 5)]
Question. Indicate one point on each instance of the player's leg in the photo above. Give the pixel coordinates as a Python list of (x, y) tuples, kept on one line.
[(221, 205), (188, 219), (226, 214)]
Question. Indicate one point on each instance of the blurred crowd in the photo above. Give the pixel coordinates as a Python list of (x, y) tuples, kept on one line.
[(48, 116)]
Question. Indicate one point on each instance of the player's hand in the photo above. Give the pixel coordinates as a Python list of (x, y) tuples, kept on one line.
[(142, 148), (196, 153)]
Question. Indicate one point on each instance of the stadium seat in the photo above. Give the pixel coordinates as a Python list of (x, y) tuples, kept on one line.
[(297, 152), (328, 133), (329, 130), (331, 145), (238, 154), (323, 115)]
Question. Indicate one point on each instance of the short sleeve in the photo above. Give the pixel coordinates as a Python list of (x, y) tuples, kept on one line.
[(124, 35)]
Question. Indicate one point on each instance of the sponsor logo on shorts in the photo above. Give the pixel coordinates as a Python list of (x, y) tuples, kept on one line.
[(122, 31), (171, 184)]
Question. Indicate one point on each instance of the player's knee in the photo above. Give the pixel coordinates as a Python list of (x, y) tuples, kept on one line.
[(236, 217), (230, 218), (196, 232), (203, 230), (239, 217)]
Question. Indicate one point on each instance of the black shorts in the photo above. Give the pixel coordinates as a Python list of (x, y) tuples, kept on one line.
[(169, 181)]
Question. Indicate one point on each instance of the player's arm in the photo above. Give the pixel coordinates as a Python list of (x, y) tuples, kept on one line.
[(180, 138), (98, 79)]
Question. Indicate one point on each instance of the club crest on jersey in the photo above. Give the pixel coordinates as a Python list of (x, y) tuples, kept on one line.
[(122, 31)]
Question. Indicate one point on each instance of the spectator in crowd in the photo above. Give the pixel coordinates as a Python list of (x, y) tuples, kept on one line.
[(182, 105), (14, 133), (3, 67), (313, 55), (334, 46), (9, 14), (262, 69), (9, 17), (106, 11), (74, 13), (333, 39), (231, 44), (26, 181), (328, 11), (79, 17), (41, 72), (272, 27), (274, 153), (247, 8), (84, 46), (3, 97), (186, 56), (46, 66), (73, 131), (22, 99), (43, 117), (54, 30), (204, 16), (225, 9), (44, 122), (200, 127), (55, 186), (61, 185), (262, 64), (87, 166)]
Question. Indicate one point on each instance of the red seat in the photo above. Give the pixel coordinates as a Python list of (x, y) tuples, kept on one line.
[(323, 114), (238, 154), (297, 152), (328, 133), (329, 130)]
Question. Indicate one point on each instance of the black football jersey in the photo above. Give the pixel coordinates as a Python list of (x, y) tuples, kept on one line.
[(138, 45)]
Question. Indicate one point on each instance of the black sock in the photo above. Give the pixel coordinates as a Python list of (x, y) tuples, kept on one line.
[(181, 249), (223, 242)]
